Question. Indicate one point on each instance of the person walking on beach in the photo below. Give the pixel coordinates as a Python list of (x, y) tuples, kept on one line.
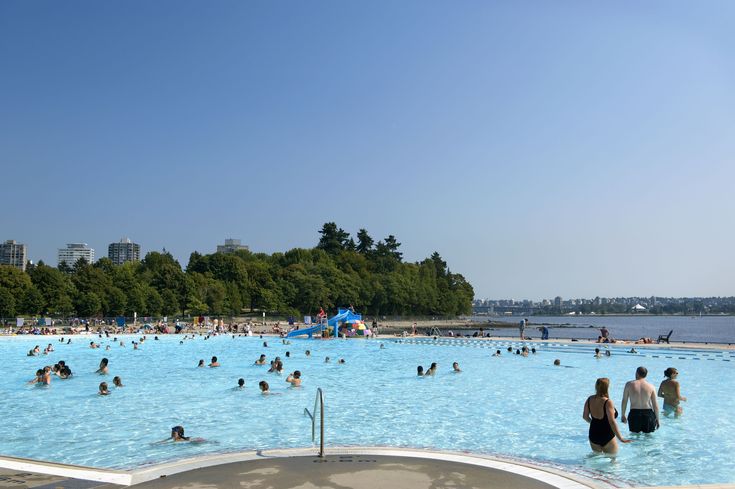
[(643, 415), (522, 327), (670, 391), (600, 413)]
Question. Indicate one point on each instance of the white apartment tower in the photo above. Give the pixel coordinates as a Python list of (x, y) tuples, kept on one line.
[(13, 254), (74, 251), (123, 251)]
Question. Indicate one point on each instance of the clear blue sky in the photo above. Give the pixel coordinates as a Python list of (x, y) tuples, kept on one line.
[(568, 148)]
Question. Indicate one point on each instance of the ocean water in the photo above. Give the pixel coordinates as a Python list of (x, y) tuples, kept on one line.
[(693, 329), (510, 406)]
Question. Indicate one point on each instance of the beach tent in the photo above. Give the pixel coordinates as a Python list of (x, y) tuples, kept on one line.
[(638, 308)]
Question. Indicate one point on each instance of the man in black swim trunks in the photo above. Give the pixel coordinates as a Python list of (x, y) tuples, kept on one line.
[(643, 416)]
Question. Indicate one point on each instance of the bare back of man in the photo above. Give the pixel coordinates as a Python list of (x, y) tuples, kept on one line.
[(643, 415)]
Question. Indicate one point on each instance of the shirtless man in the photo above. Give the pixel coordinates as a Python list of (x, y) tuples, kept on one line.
[(670, 391), (643, 414), (294, 379)]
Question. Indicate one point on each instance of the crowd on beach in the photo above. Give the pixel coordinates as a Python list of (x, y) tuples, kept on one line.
[(599, 410)]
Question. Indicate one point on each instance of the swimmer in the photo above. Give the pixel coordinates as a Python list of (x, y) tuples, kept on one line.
[(240, 383), (107, 347), (420, 371), (533, 351), (103, 389), (557, 362), (607, 353), (264, 387), (288, 354), (518, 352), (455, 368), (294, 379), (200, 364), (34, 352), (39, 377), (382, 346), (92, 345), (510, 349), (177, 434), (633, 350), (103, 370), (643, 415), (279, 367), (497, 353), (326, 359), (65, 372), (122, 343), (597, 353), (260, 360), (603, 428), (308, 353), (117, 382), (670, 391), (50, 348), (341, 360), (432, 369), (214, 363), (265, 344)]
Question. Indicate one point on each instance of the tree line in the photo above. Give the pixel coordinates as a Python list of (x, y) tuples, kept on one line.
[(370, 276)]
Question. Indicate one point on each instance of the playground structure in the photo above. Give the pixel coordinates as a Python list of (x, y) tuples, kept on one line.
[(346, 319)]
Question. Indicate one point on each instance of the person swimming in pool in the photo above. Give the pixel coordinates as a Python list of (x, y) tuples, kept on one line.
[(597, 353), (294, 379), (326, 359), (117, 382), (34, 352), (455, 368), (214, 363), (103, 370), (420, 371), (497, 353), (240, 383), (39, 377), (264, 387), (599, 411), (261, 360), (104, 391), (643, 416), (670, 391), (201, 363), (177, 435), (432, 369)]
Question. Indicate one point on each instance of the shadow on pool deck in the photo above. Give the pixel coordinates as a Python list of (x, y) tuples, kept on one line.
[(344, 472)]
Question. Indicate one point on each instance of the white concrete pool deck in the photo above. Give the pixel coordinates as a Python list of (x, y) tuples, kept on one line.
[(341, 468)]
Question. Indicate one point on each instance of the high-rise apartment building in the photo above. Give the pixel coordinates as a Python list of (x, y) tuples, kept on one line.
[(123, 251), (231, 246), (73, 252), (13, 254)]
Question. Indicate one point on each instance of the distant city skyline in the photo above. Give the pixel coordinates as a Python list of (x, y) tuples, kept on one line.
[(542, 149)]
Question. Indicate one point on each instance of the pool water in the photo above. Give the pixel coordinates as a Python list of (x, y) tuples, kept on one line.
[(509, 406)]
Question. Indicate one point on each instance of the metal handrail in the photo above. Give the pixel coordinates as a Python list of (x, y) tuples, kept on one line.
[(318, 401)]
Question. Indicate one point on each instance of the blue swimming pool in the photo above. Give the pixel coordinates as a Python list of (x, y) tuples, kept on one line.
[(507, 405)]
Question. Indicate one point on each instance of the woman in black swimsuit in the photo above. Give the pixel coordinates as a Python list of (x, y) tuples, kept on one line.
[(600, 413)]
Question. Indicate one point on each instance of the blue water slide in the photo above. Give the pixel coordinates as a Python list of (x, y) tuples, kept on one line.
[(306, 331)]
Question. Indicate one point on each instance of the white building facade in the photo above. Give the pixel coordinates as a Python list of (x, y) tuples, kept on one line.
[(73, 252), (14, 254)]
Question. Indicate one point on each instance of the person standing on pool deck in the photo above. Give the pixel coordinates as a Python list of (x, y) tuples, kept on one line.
[(669, 390), (603, 428), (643, 415)]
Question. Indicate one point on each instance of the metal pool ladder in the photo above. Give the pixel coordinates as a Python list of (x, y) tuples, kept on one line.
[(318, 401)]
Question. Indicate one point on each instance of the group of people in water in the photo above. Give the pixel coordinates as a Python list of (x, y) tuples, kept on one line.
[(644, 415), (599, 410)]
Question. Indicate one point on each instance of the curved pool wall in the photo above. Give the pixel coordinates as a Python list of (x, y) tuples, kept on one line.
[(505, 406)]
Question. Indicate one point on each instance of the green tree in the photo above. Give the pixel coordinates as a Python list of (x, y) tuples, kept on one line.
[(88, 304), (7, 303), (364, 242), (333, 239), (32, 302)]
